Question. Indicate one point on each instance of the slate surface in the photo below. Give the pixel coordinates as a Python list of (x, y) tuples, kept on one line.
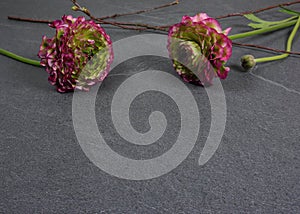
[(44, 170)]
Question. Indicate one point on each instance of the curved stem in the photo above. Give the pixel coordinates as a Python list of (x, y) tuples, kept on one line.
[(288, 46), (263, 30), (19, 58)]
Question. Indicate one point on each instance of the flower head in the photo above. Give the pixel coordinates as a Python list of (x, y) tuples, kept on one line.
[(199, 49), (78, 56)]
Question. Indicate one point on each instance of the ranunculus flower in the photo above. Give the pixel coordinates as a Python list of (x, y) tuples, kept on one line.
[(78, 56), (199, 49)]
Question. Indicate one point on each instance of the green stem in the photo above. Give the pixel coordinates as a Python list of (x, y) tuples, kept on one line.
[(19, 58), (288, 46), (261, 31)]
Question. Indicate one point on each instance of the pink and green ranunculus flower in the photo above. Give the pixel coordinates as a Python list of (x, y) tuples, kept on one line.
[(199, 49), (78, 56)]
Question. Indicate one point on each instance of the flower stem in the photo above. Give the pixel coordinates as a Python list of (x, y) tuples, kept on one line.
[(19, 58), (263, 30), (288, 47)]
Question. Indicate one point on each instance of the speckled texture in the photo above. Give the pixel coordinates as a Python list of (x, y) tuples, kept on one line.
[(44, 170)]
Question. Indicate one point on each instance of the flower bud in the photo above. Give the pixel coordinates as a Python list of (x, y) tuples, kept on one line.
[(248, 62), (75, 8)]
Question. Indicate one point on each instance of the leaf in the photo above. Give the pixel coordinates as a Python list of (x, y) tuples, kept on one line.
[(254, 18), (260, 23), (289, 11)]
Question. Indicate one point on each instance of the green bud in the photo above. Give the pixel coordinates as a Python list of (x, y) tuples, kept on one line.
[(75, 8), (85, 10), (248, 62)]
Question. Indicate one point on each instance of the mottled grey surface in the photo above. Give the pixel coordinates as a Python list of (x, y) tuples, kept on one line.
[(44, 170)]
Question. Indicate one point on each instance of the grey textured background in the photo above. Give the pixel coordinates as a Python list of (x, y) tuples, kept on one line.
[(44, 170)]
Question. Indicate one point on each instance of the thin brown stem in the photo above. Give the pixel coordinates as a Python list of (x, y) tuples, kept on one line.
[(259, 10), (265, 48), (140, 11), (29, 19), (118, 24), (124, 25), (144, 26)]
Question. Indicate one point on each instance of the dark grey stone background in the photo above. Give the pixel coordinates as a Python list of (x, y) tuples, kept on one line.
[(44, 170)]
